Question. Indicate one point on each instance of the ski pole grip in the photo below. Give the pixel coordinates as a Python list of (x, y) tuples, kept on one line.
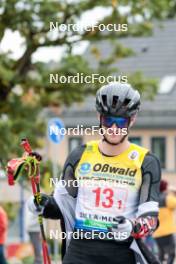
[(26, 145)]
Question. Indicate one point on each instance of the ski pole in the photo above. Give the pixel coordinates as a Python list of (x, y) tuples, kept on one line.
[(35, 183)]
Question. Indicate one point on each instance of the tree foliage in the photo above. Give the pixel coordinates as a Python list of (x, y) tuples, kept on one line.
[(24, 84)]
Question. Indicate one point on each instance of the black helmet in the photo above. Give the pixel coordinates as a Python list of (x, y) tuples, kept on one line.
[(117, 99)]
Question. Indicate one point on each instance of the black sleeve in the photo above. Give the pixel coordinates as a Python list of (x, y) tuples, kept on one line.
[(151, 175), (69, 170)]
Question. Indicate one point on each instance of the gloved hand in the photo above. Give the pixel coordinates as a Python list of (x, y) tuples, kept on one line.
[(144, 226), (122, 228), (40, 202), (38, 205)]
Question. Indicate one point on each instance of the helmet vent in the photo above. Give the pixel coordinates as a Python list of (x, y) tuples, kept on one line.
[(126, 102), (104, 99), (115, 100)]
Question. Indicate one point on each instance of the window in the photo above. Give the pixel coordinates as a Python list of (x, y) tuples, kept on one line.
[(74, 142), (135, 140), (159, 149)]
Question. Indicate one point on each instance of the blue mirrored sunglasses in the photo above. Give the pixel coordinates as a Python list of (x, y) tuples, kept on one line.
[(120, 122)]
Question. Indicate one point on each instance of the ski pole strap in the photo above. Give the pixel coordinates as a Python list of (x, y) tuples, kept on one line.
[(14, 167), (27, 164), (30, 165)]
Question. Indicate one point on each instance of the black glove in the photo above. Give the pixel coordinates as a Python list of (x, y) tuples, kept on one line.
[(41, 201)]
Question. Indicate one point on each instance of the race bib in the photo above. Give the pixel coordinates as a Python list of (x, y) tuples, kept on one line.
[(98, 205), (108, 186)]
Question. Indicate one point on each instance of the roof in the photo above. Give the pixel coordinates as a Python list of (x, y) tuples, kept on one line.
[(155, 57)]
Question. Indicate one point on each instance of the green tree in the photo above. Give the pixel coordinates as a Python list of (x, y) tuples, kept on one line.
[(24, 84)]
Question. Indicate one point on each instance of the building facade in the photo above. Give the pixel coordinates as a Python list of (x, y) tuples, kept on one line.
[(155, 128)]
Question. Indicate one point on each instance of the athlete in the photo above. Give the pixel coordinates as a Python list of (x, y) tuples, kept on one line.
[(114, 202)]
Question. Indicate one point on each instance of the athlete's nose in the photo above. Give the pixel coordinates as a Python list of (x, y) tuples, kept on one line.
[(114, 126)]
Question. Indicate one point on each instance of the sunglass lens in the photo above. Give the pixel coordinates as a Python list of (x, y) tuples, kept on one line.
[(120, 122)]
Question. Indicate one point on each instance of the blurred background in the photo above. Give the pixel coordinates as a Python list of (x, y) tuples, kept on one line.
[(30, 52)]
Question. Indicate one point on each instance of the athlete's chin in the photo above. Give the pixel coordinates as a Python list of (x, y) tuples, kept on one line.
[(114, 139)]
